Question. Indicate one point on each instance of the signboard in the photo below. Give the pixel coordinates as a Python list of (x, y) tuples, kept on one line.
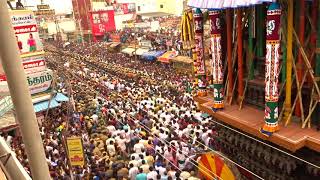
[(40, 82), (34, 64), (45, 12), (75, 151), (25, 27), (43, 6), (102, 22), (124, 8)]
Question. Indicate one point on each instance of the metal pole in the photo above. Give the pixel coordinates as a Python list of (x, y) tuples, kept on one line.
[(21, 98)]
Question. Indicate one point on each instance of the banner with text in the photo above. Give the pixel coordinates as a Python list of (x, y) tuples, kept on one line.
[(26, 30), (75, 151), (102, 22), (34, 64)]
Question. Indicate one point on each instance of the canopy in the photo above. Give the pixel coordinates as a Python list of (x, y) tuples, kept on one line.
[(182, 59), (44, 105), (213, 165), (223, 4), (128, 51), (140, 51), (61, 97), (165, 58), (115, 44), (152, 55)]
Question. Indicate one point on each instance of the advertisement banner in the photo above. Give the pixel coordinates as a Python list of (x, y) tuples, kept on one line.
[(34, 64), (102, 22), (40, 82), (124, 8), (75, 151), (26, 30), (81, 11)]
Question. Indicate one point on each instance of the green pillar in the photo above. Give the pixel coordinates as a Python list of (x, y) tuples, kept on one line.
[(250, 46), (261, 41)]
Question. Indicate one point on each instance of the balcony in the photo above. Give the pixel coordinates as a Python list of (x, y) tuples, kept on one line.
[(250, 120)]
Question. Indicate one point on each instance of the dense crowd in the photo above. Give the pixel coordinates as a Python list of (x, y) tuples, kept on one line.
[(136, 119)]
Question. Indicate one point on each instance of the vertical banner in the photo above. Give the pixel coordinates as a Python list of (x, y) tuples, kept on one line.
[(272, 70), (75, 151), (200, 63), (81, 10), (102, 22), (216, 62)]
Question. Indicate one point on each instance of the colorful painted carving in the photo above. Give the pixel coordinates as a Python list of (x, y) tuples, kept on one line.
[(216, 62), (272, 70)]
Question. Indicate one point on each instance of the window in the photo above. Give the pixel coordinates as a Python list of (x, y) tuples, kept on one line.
[(139, 8), (161, 6)]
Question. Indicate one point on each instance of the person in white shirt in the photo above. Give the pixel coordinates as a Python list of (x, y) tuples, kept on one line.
[(111, 149), (152, 174), (133, 171), (138, 147)]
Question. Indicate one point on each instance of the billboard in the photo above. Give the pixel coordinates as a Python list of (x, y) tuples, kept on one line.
[(26, 30), (124, 8), (75, 151), (102, 22)]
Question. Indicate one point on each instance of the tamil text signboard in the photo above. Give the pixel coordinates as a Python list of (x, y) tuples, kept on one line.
[(75, 151), (40, 82)]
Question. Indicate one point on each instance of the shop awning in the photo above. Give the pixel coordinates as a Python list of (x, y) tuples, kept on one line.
[(140, 51), (61, 97), (152, 55), (128, 51), (165, 58), (182, 59), (44, 105), (115, 44)]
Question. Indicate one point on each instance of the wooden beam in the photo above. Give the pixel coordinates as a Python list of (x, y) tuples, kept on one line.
[(301, 39), (240, 54), (229, 52), (287, 104)]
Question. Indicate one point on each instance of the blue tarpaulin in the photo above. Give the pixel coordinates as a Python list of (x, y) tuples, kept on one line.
[(61, 97), (152, 55), (44, 105)]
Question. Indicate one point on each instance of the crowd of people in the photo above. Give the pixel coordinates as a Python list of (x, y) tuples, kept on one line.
[(136, 119)]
